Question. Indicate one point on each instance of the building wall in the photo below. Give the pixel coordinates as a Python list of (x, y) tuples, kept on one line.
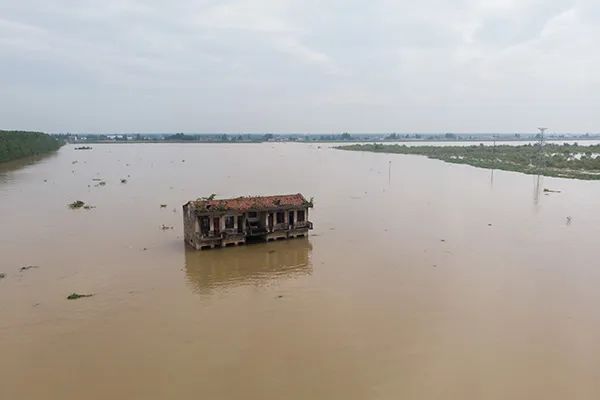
[(190, 223)]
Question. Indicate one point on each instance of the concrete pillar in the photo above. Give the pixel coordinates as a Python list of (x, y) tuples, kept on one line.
[(211, 224)]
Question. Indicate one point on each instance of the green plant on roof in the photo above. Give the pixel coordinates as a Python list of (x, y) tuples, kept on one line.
[(221, 207)]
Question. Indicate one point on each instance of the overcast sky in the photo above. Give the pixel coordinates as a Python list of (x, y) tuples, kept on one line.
[(300, 65)]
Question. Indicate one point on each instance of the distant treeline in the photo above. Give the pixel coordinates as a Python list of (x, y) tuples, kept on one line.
[(19, 144), (310, 138)]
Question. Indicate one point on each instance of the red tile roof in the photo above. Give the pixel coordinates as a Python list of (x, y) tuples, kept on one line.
[(244, 204)]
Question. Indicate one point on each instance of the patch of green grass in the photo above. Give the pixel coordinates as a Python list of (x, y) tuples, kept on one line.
[(563, 161)]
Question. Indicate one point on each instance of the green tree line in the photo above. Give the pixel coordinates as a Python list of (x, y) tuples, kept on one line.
[(19, 144)]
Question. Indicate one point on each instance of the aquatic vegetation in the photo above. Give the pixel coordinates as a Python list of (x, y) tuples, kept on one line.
[(75, 296), (76, 204), (564, 161)]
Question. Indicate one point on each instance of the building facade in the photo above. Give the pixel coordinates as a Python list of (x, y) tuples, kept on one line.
[(210, 223)]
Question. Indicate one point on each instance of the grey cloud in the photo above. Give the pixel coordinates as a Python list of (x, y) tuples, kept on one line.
[(291, 65)]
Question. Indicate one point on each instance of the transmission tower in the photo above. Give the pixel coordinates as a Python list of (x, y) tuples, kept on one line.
[(541, 142), (542, 139)]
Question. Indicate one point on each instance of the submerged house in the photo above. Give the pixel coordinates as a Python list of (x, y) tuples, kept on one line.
[(210, 223)]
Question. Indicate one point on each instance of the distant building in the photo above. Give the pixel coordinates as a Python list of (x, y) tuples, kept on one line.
[(210, 223)]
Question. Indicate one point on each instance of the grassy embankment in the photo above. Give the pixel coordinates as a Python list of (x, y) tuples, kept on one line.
[(564, 161), (18, 144)]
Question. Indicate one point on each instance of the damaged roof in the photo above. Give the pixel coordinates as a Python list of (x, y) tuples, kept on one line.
[(251, 203)]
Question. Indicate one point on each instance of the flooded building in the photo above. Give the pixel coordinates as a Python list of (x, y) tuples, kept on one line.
[(210, 223)]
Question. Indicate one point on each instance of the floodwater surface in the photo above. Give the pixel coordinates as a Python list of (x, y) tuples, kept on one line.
[(421, 279)]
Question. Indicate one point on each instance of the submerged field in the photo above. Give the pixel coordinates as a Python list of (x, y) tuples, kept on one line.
[(425, 280), (565, 161)]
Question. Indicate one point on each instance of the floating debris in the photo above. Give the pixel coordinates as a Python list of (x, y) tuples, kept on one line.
[(83, 148), (101, 183), (2, 275), (569, 220), (28, 267), (74, 162), (96, 179), (76, 204), (551, 191), (123, 180), (75, 296), (163, 206), (88, 207), (165, 227)]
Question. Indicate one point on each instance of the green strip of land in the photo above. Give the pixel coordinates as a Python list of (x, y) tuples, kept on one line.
[(19, 144), (564, 161)]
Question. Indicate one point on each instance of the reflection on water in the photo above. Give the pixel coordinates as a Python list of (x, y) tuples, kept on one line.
[(256, 264), (537, 189), (7, 168)]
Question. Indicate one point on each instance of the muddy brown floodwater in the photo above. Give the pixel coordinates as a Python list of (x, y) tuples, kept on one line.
[(421, 280)]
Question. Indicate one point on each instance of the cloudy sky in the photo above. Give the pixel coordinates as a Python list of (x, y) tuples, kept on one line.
[(300, 65)]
